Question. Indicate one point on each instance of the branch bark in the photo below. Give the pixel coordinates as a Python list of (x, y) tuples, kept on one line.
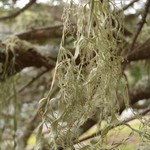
[(40, 33), (141, 23), (52, 32), (141, 53), (15, 14), (130, 4), (16, 54)]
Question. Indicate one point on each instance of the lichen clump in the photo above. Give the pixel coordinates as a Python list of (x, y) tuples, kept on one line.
[(87, 78)]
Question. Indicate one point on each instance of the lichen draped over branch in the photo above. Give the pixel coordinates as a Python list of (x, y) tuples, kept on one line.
[(88, 79), (16, 54)]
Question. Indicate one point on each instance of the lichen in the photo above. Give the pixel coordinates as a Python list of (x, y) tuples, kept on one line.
[(87, 79)]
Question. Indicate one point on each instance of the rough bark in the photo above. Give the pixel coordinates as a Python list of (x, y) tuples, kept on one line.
[(16, 54)]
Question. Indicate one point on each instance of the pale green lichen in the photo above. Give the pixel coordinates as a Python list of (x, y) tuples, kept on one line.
[(88, 79)]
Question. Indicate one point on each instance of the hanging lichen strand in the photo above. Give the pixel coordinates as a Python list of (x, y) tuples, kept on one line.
[(89, 77)]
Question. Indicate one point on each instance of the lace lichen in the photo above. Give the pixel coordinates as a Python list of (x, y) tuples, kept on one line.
[(88, 78)]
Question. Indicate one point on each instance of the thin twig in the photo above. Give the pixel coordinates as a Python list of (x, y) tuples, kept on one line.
[(29, 83), (125, 7), (15, 14), (112, 127), (129, 5), (141, 24)]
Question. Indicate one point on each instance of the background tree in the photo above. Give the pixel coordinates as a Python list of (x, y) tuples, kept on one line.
[(114, 70)]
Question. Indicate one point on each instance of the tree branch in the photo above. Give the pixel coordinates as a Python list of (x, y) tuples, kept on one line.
[(52, 32), (129, 5), (16, 54), (113, 126), (40, 33), (135, 95), (15, 14), (29, 83), (141, 53), (141, 24)]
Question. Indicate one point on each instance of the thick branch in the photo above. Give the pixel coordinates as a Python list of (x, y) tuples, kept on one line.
[(141, 53), (140, 91), (52, 32), (137, 95), (16, 54), (40, 33), (15, 14)]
